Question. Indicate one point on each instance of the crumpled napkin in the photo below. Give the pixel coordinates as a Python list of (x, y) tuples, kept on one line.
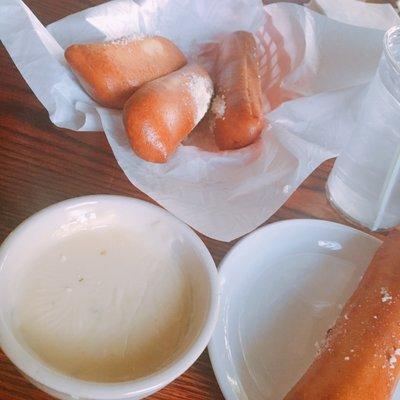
[(314, 70)]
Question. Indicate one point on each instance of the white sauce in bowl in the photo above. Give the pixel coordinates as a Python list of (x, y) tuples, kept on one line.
[(105, 304)]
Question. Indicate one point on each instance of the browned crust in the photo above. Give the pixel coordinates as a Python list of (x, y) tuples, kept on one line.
[(111, 72), (238, 83), (162, 113)]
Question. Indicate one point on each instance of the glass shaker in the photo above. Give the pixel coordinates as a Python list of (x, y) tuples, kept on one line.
[(364, 184)]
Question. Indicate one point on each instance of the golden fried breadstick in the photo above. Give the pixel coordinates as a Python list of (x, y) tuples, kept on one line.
[(111, 71), (237, 108), (163, 112)]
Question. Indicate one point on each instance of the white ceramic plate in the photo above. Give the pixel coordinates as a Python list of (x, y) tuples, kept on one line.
[(282, 287)]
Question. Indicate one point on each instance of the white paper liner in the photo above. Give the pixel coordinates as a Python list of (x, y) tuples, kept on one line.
[(226, 194)]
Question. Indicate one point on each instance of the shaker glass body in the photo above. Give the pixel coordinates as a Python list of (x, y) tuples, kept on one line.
[(365, 182)]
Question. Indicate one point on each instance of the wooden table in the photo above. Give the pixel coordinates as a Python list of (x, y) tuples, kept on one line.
[(41, 164)]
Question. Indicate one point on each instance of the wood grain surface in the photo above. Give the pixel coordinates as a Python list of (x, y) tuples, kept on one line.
[(41, 164)]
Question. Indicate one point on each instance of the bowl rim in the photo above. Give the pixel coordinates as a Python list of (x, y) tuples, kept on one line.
[(43, 374)]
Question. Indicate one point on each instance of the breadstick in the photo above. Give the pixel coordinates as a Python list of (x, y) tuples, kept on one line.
[(163, 112), (111, 71), (360, 359), (237, 108)]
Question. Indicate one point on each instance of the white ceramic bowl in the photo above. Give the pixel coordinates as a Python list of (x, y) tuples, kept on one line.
[(92, 210)]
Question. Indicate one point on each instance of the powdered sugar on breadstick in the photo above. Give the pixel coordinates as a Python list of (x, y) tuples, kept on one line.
[(201, 90), (128, 39), (153, 139), (218, 106), (386, 297)]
